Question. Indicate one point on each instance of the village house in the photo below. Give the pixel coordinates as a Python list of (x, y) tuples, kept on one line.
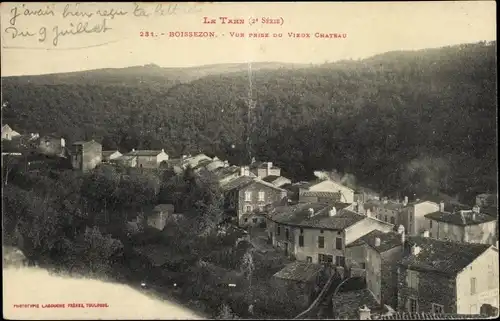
[(365, 194), (109, 155), (385, 210), (248, 196), (328, 185), (278, 181), (318, 233), (302, 279), (214, 164), (447, 277), (264, 169), (193, 161), (158, 217), (86, 155), (125, 161), (51, 145), (148, 158), (378, 253), (225, 174), (463, 226), (412, 216), (8, 133)]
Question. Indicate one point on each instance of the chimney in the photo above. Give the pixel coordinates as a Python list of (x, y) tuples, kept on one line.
[(133, 149), (242, 171), (377, 241), (415, 250), (226, 163), (162, 150), (332, 212), (63, 142), (401, 231), (405, 202), (269, 165), (425, 233), (476, 209), (311, 212), (441, 206), (364, 313)]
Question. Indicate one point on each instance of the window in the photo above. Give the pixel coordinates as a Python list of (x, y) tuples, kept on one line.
[(309, 259), (246, 220), (385, 218), (301, 240), (301, 231), (287, 233), (437, 308), (473, 285), (412, 279), (278, 230), (261, 196), (412, 305), (321, 242), (430, 223), (362, 265), (338, 243), (248, 196), (323, 258), (340, 261), (248, 208), (393, 220), (321, 231)]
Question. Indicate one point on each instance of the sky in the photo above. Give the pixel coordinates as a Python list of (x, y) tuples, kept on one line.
[(369, 29)]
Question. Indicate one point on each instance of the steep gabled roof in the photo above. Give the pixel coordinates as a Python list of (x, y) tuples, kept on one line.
[(388, 240)]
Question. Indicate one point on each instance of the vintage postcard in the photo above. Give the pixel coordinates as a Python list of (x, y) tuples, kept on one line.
[(241, 160)]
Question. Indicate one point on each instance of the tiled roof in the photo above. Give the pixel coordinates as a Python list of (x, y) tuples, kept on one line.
[(442, 256), (144, 153), (460, 219), (224, 171), (388, 240), (107, 153), (346, 304), (238, 183), (271, 178), (299, 271), (425, 316), (320, 194), (298, 215)]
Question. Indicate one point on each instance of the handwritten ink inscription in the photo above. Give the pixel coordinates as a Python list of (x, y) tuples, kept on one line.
[(79, 19)]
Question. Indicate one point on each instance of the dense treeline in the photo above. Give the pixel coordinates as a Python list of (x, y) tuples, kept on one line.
[(414, 122)]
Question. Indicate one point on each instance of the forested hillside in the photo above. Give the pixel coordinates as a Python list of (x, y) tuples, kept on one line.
[(405, 121)]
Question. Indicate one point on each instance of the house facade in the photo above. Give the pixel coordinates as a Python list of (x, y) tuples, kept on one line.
[(86, 155), (384, 210), (412, 216), (463, 226), (264, 169), (347, 194), (148, 158), (447, 277), (8, 133), (318, 233), (247, 197), (51, 145)]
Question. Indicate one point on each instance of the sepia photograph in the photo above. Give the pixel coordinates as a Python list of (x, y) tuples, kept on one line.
[(249, 160)]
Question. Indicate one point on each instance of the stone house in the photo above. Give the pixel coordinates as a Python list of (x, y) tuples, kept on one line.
[(247, 197), (463, 226), (225, 174), (109, 155), (447, 277), (301, 278), (318, 233), (412, 216), (264, 169), (385, 210), (8, 133), (86, 155), (379, 253), (328, 185), (148, 158)]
